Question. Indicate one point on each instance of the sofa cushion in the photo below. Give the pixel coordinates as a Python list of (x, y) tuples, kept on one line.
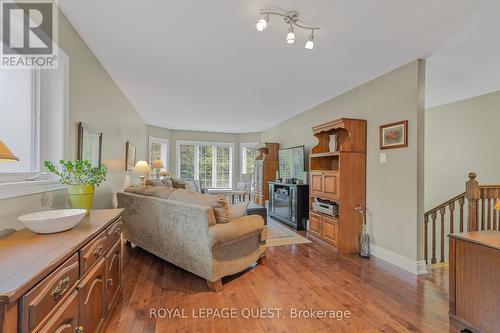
[(218, 203), (236, 230), (238, 210), (152, 191)]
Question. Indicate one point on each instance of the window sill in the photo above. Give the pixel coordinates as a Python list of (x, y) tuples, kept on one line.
[(20, 189)]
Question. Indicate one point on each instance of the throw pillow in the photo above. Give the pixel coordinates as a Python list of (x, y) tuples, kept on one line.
[(167, 182), (154, 182), (193, 185), (178, 183), (218, 203), (238, 210), (152, 191)]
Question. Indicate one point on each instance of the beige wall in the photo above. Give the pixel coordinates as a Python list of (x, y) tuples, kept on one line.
[(174, 135), (392, 193), (95, 99), (461, 137)]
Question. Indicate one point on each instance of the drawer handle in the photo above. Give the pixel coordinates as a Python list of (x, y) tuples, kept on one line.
[(118, 231), (99, 250), (79, 329), (110, 283), (61, 288)]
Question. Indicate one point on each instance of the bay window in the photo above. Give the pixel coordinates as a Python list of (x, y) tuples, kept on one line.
[(248, 154), (210, 163)]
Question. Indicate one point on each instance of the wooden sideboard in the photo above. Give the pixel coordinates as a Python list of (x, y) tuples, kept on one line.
[(474, 280), (64, 282)]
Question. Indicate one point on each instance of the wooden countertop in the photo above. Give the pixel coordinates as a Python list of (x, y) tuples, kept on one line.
[(27, 257), (487, 238)]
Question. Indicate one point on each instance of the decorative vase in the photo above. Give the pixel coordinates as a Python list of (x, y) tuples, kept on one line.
[(364, 243), (81, 196)]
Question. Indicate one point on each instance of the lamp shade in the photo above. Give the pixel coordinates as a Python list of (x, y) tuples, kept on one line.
[(5, 154), (157, 164), (497, 205), (142, 167)]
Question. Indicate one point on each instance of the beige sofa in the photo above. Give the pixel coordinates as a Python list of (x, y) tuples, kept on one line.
[(188, 236)]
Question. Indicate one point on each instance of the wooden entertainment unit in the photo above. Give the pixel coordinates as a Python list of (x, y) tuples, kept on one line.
[(338, 174), (64, 282)]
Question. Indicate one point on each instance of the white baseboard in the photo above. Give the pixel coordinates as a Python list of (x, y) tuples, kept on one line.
[(410, 265)]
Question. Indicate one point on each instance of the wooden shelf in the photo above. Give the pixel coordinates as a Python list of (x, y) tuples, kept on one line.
[(326, 154)]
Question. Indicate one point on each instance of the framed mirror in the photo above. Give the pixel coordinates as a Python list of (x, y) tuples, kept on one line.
[(89, 145)]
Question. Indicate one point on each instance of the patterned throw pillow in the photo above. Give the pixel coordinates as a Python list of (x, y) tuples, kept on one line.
[(154, 182), (193, 185), (167, 181)]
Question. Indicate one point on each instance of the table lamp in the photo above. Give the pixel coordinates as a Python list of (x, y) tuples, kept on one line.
[(157, 165), (143, 168), (5, 154), (497, 205)]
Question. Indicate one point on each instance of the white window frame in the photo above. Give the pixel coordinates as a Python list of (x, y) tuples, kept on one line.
[(178, 143), (162, 141), (14, 185), (244, 145)]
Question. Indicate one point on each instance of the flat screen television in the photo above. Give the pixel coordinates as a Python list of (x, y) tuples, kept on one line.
[(292, 163)]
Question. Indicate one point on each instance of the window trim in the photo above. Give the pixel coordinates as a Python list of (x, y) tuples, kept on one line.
[(244, 145), (178, 143), (14, 185), (165, 141)]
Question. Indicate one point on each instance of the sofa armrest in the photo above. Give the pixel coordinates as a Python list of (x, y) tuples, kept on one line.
[(223, 234)]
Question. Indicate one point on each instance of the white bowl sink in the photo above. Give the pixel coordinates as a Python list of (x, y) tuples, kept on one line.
[(52, 221)]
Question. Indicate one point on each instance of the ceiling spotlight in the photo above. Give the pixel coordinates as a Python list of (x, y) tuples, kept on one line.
[(291, 18), (290, 37), (310, 43), (262, 23)]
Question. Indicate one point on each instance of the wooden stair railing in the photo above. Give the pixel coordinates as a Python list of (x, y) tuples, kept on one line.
[(480, 216)]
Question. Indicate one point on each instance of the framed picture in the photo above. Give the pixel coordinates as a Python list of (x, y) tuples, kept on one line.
[(89, 145), (129, 156), (394, 135)]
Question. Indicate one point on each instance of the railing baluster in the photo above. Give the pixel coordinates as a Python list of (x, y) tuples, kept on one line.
[(461, 202), (443, 212), (433, 217), (482, 210), (495, 215), (452, 217), (426, 240), (489, 209)]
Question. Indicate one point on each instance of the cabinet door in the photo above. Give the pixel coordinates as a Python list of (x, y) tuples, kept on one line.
[(93, 298), (315, 224), (65, 320), (316, 182), (113, 275), (331, 184), (329, 233)]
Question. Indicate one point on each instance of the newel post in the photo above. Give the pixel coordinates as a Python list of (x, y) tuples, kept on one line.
[(472, 194)]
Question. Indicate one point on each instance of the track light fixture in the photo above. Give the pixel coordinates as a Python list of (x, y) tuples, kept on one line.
[(292, 19)]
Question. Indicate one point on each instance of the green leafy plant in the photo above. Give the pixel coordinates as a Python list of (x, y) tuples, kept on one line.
[(78, 172)]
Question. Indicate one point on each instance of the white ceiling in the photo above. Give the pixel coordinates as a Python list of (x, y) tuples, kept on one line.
[(202, 65)]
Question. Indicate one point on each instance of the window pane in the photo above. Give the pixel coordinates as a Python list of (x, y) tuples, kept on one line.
[(154, 152), (249, 156), (187, 156), (205, 166), (16, 123), (223, 166)]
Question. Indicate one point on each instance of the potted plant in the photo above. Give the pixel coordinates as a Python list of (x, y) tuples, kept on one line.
[(81, 178)]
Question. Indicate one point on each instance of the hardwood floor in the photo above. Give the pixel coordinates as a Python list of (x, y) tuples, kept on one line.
[(380, 297)]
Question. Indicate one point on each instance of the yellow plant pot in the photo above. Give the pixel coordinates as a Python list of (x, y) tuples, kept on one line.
[(81, 196)]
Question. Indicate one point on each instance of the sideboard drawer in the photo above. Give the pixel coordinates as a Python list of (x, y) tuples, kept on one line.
[(114, 231), (65, 320), (39, 301), (93, 251)]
